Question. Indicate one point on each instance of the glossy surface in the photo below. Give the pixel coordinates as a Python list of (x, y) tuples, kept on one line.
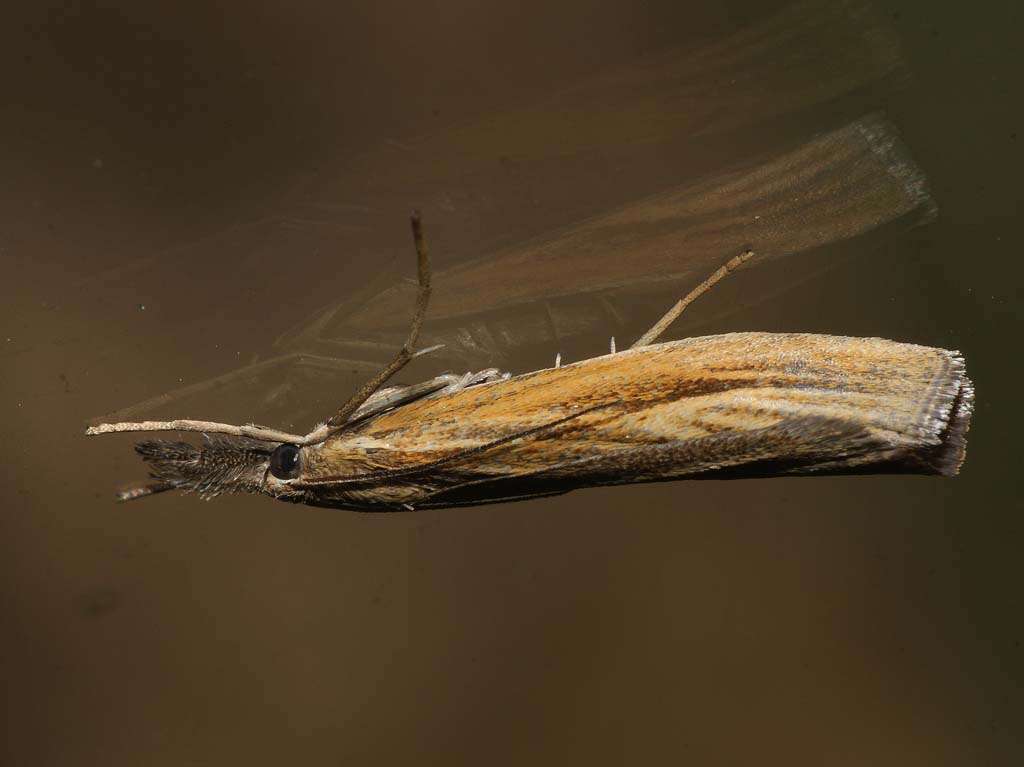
[(183, 182)]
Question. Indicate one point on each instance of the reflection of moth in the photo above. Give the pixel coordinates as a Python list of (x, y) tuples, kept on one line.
[(735, 405), (592, 275), (837, 186), (615, 191)]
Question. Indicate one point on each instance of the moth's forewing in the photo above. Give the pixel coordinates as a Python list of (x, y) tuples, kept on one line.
[(744, 404)]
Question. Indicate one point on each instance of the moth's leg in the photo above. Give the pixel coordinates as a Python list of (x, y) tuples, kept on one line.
[(460, 384), (407, 352), (487, 376), (385, 399), (447, 383), (397, 396), (474, 379), (661, 325)]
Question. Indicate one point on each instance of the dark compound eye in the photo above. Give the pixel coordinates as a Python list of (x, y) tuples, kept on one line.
[(284, 462)]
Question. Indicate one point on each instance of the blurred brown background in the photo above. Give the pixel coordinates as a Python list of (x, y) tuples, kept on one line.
[(839, 621)]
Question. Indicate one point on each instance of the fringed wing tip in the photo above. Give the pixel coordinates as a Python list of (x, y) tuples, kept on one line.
[(947, 419), (951, 452), (221, 464)]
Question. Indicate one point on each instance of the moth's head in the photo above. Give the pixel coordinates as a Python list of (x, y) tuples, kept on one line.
[(222, 464), (304, 472)]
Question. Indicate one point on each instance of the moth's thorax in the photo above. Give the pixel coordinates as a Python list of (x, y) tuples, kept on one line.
[(336, 457), (349, 455)]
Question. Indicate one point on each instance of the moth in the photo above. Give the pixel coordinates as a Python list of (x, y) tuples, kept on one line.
[(713, 407)]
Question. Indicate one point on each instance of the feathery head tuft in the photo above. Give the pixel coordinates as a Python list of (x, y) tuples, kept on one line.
[(220, 464)]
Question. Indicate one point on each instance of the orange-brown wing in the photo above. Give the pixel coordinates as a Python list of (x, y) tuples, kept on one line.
[(729, 405)]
